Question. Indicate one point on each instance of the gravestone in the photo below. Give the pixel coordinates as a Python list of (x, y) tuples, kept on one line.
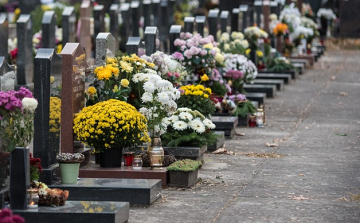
[(48, 26), (274, 7), (125, 26), (258, 11), (105, 47), (164, 25), (171, 5), (200, 24), (135, 10), (7, 76), (85, 34), (189, 24), (235, 20), (4, 35), (25, 58), (99, 22), (201, 3), (156, 12), (46, 137), (244, 9), (72, 94), (68, 25), (224, 20), (266, 13), (251, 16), (27, 6), (114, 23), (132, 45), (213, 22), (150, 39), (175, 31), (147, 9), (349, 19)]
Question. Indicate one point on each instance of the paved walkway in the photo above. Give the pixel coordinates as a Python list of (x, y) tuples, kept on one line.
[(315, 175)]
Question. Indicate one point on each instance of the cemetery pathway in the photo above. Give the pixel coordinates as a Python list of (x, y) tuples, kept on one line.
[(311, 176)]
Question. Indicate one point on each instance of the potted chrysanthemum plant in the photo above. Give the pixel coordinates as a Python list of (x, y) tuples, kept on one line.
[(69, 166)]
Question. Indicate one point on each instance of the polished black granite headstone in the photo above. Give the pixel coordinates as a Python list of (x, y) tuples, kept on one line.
[(48, 26), (68, 25), (4, 35), (189, 24), (135, 7), (258, 11), (79, 212), (224, 20), (114, 23), (174, 34), (186, 152), (278, 83), (134, 191), (150, 39), (258, 97), (213, 22), (270, 90), (125, 27), (219, 142), (132, 45), (200, 24), (147, 9), (244, 9), (294, 74), (99, 19), (285, 77), (235, 20), (226, 124)]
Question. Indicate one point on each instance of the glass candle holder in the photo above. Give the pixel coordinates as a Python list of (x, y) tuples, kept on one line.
[(137, 163), (32, 198), (252, 121), (128, 158), (260, 118)]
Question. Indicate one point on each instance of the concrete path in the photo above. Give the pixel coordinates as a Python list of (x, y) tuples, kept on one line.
[(312, 176)]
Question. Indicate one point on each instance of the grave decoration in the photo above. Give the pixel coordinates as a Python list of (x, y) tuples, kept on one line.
[(49, 197), (233, 43), (35, 168), (236, 105), (326, 16), (278, 64), (307, 11), (279, 30), (255, 36), (184, 173), (36, 40), (69, 164)]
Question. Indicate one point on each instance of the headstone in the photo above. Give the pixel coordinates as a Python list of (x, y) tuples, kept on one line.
[(48, 26), (85, 34), (266, 13), (251, 16), (171, 5), (200, 24), (258, 11), (27, 6), (235, 20), (244, 9), (48, 65), (105, 47), (189, 24), (135, 10), (68, 25), (224, 20), (125, 26), (4, 35), (201, 3), (132, 45), (99, 19), (349, 17), (114, 23), (164, 25), (156, 12), (72, 94), (274, 7), (7, 76), (175, 31), (147, 9), (150, 39), (213, 22), (25, 58)]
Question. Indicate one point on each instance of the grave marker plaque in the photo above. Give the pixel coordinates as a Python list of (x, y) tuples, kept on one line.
[(235, 20), (135, 10), (72, 94), (175, 31), (224, 18), (7, 77), (4, 35), (85, 34), (25, 64), (105, 47), (99, 22), (189, 24), (48, 25), (213, 22), (47, 137), (200, 24), (132, 45), (150, 39), (68, 25), (114, 23)]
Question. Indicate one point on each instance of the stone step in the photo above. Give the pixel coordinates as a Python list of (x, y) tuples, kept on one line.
[(302, 61), (78, 211), (93, 170), (285, 77), (219, 143), (294, 73), (184, 152), (134, 191), (270, 90), (225, 124), (278, 83), (258, 97), (309, 57)]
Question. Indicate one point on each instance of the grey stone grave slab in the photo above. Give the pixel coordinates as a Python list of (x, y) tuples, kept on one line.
[(46, 142), (258, 12), (147, 9), (213, 17), (132, 45), (72, 94), (270, 90), (224, 20), (189, 24), (4, 35), (150, 39), (219, 142), (303, 61), (99, 20), (105, 47), (114, 23), (48, 26), (258, 97), (7, 76), (174, 33), (76, 212), (285, 77), (186, 152), (266, 14), (200, 24), (25, 58), (68, 25), (235, 20), (156, 13), (125, 26), (294, 74), (226, 124), (244, 9), (134, 191), (278, 83), (27, 6), (85, 37), (300, 67), (135, 11), (274, 8)]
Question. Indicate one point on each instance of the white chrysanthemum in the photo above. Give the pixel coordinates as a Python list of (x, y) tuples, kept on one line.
[(177, 93), (197, 126), (208, 123), (29, 104), (155, 78), (165, 121), (149, 87), (147, 97), (186, 116), (136, 78), (173, 118), (150, 71), (143, 110), (180, 125), (184, 109), (163, 97)]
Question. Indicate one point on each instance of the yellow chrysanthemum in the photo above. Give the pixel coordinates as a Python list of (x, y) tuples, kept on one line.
[(204, 77), (125, 66), (92, 90), (124, 82), (259, 53)]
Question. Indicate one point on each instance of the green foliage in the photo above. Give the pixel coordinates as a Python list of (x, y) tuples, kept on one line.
[(185, 165), (244, 108), (34, 173), (187, 137), (278, 64), (204, 105), (218, 89)]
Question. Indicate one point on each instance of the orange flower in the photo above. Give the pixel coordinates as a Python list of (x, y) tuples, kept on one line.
[(280, 29)]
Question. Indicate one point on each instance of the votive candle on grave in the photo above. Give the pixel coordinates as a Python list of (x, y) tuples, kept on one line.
[(128, 158), (260, 118)]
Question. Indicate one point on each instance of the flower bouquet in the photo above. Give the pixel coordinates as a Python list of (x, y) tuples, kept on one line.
[(238, 105), (70, 157), (253, 34), (35, 168), (188, 127), (50, 197), (234, 43), (326, 13), (17, 109), (280, 29), (279, 64)]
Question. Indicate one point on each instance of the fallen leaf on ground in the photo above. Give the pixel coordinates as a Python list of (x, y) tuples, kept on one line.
[(299, 198), (240, 134), (222, 150), (343, 93), (271, 144), (341, 134), (333, 78)]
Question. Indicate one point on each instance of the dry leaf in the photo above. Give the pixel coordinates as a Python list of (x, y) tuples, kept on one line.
[(220, 151), (343, 93), (271, 144), (333, 78), (299, 198), (240, 134)]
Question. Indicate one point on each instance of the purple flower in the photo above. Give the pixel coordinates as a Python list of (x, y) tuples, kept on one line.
[(213, 52), (203, 53), (204, 41), (188, 54), (178, 56), (23, 92), (188, 35), (228, 87), (179, 42), (240, 97), (234, 74), (194, 50)]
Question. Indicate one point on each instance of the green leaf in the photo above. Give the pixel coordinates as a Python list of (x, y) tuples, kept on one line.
[(341, 134)]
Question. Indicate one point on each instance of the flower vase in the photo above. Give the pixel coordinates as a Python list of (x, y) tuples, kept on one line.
[(156, 152), (69, 172), (111, 157), (278, 44)]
